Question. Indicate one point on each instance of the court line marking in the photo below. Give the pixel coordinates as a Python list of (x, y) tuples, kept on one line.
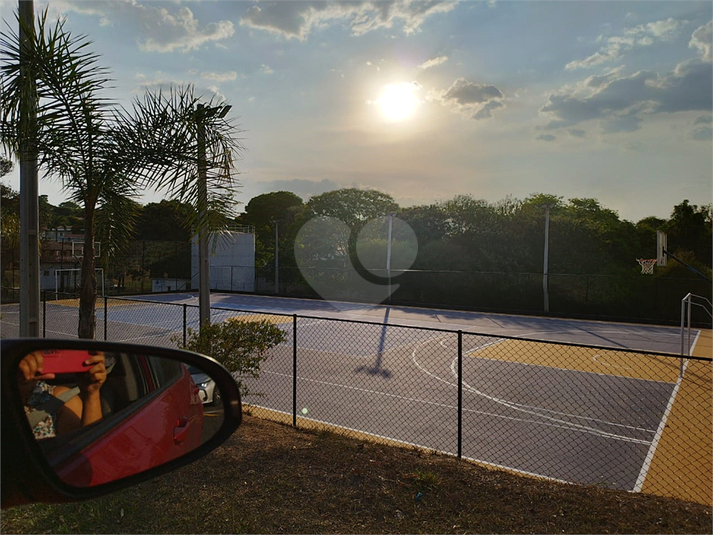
[(445, 405), (659, 432), (531, 409), (514, 405), (579, 332), (616, 350), (596, 359)]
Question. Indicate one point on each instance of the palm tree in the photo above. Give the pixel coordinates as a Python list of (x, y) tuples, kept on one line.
[(105, 155)]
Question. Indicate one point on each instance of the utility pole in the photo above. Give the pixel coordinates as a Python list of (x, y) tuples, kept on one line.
[(388, 252), (545, 270), (202, 113), (277, 264), (29, 190), (203, 258)]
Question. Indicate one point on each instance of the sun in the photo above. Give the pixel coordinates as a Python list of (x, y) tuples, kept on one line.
[(398, 101)]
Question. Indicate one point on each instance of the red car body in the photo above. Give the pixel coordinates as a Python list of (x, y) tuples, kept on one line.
[(166, 422)]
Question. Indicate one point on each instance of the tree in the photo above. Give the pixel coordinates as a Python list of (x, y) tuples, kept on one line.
[(689, 229), (353, 206), (102, 154), (239, 345), (263, 212), (9, 230), (5, 166), (166, 220)]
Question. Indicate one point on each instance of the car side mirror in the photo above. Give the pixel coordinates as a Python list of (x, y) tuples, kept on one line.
[(81, 418)]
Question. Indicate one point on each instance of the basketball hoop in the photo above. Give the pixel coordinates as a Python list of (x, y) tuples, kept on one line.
[(647, 265)]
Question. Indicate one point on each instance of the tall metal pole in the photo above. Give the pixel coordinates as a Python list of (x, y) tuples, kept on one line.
[(277, 263), (388, 253), (29, 191), (545, 270), (203, 258)]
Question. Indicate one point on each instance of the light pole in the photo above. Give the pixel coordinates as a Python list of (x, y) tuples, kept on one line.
[(545, 270), (277, 263), (388, 252), (202, 113)]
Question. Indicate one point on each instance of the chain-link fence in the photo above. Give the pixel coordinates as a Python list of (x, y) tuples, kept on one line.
[(617, 418), (622, 297)]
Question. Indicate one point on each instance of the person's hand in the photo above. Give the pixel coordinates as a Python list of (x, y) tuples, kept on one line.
[(30, 368), (91, 381)]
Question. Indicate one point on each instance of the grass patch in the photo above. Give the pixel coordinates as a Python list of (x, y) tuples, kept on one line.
[(270, 478)]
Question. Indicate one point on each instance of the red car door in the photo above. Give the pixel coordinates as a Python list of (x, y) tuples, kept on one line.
[(163, 424)]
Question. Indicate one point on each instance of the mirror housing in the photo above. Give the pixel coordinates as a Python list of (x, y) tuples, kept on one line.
[(27, 476)]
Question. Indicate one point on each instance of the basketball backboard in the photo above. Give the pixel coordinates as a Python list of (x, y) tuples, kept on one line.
[(661, 248)]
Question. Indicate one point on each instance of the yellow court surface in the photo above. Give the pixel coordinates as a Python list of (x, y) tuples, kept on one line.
[(680, 460), (682, 464), (270, 318), (593, 360)]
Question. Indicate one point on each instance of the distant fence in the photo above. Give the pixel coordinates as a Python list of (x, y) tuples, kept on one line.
[(632, 420), (621, 297)]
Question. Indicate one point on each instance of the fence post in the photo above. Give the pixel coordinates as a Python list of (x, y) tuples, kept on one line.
[(294, 370), (44, 314), (460, 394), (185, 323), (106, 316)]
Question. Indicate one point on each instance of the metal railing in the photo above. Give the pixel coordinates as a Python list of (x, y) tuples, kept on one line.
[(618, 418)]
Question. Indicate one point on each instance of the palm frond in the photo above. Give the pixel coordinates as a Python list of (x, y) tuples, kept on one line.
[(71, 116), (160, 139)]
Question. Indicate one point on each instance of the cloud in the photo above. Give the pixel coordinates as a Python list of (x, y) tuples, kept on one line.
[(432, 63), (546, 137), (465, 92), (701, 39), (161, 81), (704, 119), (622, 102), (577, 132), (665, 30), (470, 98), (702, 133), (616, 46), (180, 31), (484, 112), (163, 30), (296, 20), (219, 76), (266, 69)]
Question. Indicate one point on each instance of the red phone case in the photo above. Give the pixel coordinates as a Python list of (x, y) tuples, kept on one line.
[(65, 361)]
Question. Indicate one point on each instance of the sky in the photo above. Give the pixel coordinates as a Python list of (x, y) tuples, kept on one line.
[(428, 100)]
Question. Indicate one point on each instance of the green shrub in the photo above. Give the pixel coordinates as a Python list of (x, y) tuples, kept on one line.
[(241, 346)]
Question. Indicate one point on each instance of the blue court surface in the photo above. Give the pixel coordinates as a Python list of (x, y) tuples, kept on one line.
[(597, 333)]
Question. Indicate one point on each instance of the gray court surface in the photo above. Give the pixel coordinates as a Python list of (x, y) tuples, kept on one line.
[(598, 333), (401, 383)]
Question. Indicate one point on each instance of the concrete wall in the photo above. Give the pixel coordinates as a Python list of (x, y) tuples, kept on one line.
[(232, 262)]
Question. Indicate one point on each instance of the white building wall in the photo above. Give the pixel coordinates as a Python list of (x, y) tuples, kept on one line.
[(232, 262)]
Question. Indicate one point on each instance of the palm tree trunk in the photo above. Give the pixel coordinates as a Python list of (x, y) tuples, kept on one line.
[(88, 290)]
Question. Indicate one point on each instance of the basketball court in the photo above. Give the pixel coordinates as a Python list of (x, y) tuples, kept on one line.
[(614, 415)]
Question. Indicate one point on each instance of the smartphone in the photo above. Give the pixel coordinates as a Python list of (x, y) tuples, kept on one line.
[(65, 361)]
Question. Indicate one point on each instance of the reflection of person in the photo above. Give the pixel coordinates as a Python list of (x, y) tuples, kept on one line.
[(55, 409)]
